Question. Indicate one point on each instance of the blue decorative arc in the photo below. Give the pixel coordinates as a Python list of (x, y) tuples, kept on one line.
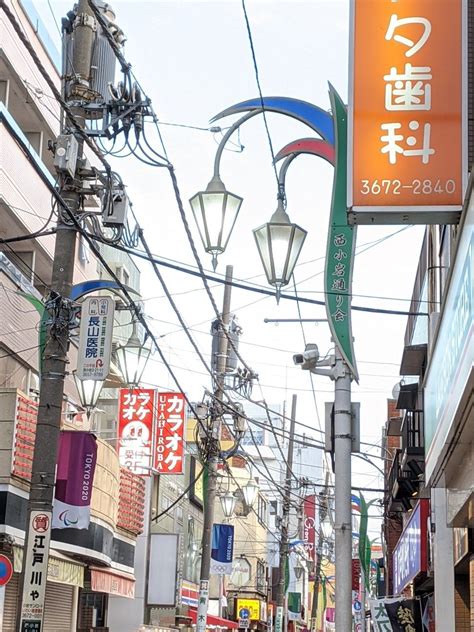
[(315, 117)]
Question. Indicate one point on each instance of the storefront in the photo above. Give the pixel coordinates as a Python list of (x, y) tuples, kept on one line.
[(65, 578), (99, 584), (449, 420)]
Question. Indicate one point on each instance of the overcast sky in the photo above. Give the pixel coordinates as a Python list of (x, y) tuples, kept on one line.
[(193, 59)]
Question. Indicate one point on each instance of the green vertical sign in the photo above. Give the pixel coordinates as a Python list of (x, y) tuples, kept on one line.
[(341, 245)]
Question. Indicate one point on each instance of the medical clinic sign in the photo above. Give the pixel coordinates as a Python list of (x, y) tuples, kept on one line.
[(151, 431), (408, 110)]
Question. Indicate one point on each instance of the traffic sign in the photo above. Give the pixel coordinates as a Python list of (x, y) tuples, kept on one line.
[(357, 605), (6, 570), (244, 613), (244, 622)]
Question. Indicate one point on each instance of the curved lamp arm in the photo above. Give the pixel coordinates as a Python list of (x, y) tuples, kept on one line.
[(226, 137)]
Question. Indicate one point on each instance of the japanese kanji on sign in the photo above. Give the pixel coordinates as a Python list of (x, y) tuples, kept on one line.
[(135, 429), (169, 433), (95, 338), (407, 110), (36, 570)]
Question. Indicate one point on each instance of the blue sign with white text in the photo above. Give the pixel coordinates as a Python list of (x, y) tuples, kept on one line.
[(222, 549)]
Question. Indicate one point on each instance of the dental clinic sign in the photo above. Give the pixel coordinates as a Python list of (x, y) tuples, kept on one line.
[(408, 107), (410, 557)]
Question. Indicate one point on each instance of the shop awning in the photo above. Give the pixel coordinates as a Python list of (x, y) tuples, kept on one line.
[(215, 621), (61, 569), (112, 582)]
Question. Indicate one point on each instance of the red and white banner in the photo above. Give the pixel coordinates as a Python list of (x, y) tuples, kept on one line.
[(135, 429), (168, 453), (309, 526)]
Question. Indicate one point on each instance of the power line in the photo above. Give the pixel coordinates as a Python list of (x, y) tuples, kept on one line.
[(262, 103), (256, 289)]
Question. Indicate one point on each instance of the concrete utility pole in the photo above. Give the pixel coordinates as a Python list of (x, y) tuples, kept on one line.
[(342, 481), (323, 508), (281, 618), (38, 532), (212, 442)]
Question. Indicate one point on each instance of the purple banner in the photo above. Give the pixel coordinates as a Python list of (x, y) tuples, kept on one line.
[(74, 478)]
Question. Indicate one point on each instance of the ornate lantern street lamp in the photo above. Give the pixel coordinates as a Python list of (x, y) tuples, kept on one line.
[(279, 244), (250, 491), (228, 501), (132, 358), (89, 392)]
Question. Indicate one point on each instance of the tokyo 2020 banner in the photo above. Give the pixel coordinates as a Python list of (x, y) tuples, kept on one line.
[(74, 479)]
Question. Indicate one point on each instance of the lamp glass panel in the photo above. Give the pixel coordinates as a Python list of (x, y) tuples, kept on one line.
[(326, 527), (228, 502), (231, 210), (250, 492), (299, 236), (281, 239), (262, 240), (196, 206), (213, 209), (89, 391), (132, 361)]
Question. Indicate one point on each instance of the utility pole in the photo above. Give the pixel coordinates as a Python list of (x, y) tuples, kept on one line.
[(343, 427), (281, 618), (212, 449), (323, 508), (40, 503), (342, 496)]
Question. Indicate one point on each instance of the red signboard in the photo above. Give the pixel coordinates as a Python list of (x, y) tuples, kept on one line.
[(135, 429), (309, 526), (169, 434)]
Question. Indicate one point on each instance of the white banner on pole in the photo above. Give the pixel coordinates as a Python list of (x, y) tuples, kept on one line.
[(95, 338), (36, 571)]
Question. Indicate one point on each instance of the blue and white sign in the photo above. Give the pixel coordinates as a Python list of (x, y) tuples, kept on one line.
[(451, 364), (222, 549), (410, 554)]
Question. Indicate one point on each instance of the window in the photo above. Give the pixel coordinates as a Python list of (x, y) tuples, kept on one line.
[(260, 576), (262, 510)]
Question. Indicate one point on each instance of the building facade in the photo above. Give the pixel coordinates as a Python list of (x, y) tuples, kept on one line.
[(90, 566)]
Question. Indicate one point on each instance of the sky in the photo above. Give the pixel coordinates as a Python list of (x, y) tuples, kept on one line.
[(193, 59)]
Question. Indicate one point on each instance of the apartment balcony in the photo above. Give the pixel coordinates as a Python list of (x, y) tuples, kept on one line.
[(405, 477)]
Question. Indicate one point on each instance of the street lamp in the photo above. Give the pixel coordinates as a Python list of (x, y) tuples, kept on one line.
[(215, 211), (228, 501), (132, 358), (89, 392), (326, 528), (298, 569), (250, 491), (279, 244)]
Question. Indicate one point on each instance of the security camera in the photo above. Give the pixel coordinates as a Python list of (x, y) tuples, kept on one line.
[(309, 358)]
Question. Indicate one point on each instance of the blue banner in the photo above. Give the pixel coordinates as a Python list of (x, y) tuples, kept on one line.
[(222, 549)]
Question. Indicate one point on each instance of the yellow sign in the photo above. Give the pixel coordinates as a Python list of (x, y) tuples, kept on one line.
[(253, 607)]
